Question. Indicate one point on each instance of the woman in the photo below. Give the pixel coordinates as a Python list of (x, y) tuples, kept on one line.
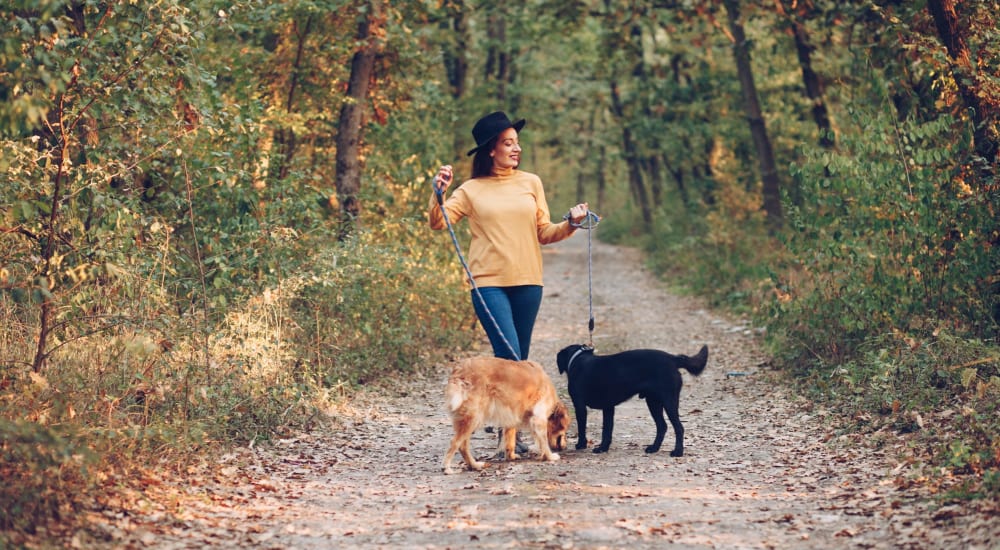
[(509, 220)]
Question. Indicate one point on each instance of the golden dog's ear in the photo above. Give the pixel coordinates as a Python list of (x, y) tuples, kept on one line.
[(559, 413)]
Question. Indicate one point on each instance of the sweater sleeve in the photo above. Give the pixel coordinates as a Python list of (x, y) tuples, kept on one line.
[(457, 207), (548, 232)]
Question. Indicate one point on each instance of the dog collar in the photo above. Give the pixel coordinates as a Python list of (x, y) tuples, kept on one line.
[(578, 352)]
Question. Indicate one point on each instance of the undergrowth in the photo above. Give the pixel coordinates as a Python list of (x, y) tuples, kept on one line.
[(878, 338), (178, 388), (939, 388)]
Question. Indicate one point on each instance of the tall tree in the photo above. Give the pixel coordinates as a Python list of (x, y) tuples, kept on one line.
[(983, 107), (796, 14), (498, 68), (349, 134), (758, 127), (455, 53), (623, 66), (632, 160), (286, 137)]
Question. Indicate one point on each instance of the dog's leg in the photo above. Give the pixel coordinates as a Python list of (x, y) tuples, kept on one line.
[(672, 406), (461, 445), (452, 449), (458, 426), (656, 411), (608, 426), (581, 425), (540, 429), (508, 443), (460, 442), (469, 459)]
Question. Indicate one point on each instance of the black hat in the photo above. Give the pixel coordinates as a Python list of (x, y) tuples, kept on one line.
[(490, 127)]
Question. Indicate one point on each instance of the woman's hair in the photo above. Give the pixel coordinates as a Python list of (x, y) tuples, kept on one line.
[(482, 163)]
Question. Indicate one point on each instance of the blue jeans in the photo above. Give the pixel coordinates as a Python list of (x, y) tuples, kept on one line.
[(515, 309)]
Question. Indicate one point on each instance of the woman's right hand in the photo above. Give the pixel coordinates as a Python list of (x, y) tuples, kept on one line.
[(443, 178)]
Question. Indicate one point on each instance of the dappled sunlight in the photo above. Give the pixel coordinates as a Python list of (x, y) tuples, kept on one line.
[(255, 336)]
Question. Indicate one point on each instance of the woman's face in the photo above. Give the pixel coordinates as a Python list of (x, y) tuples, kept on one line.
[(507, 153)]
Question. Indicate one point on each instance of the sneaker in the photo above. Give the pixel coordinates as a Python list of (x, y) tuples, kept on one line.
[(520, 448)]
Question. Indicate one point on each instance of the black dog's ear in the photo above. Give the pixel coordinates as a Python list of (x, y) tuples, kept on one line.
[(564, 355), (561, 359)]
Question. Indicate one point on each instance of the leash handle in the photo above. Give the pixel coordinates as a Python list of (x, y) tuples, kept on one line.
[(592, 221)]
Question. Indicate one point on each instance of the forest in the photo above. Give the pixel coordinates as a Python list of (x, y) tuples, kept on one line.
[(213, 214)]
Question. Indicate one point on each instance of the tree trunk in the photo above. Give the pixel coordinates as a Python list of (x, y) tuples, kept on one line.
[(497, 57), (635, 179), (952, 34), (655, 170), (703, 172), (677, 66), (813, 85), (632, 159), (285, 138), (49, 248), (678, 176), (349, 134), (456, 61), (758, 129)]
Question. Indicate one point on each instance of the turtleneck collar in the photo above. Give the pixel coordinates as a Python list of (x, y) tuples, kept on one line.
[(503, 172)]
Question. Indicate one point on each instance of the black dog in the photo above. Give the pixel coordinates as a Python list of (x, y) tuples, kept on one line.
[(603, 382)]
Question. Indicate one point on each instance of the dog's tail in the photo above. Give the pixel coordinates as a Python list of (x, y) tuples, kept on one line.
[(695, 364), (455, 393)]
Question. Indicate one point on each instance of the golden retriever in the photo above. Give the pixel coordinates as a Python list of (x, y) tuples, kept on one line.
[(509, 394)]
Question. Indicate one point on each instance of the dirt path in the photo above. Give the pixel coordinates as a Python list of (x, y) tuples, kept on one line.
[(759, 471)]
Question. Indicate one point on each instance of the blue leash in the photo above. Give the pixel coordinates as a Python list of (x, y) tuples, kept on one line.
[(468, 272), (592, 220)]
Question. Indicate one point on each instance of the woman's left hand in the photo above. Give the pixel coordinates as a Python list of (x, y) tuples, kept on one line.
[(578, 213)]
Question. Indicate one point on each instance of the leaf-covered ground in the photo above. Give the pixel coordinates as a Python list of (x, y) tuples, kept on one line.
[(762, 469)]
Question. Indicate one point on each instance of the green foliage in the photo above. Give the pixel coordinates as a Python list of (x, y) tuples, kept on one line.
[(79, 186), (26, 88), (180, 239), (887, 236)]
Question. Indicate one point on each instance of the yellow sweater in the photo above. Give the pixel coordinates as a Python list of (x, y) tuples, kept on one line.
[(509, 221)]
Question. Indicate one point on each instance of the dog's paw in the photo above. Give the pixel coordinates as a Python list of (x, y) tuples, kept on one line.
[(553, 457), (677, 452)]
